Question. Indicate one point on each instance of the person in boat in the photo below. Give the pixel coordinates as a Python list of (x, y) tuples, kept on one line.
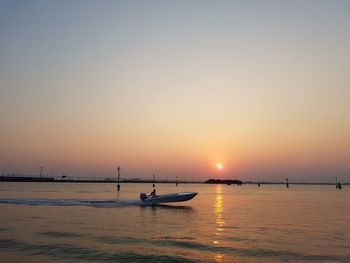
[(153, 193)]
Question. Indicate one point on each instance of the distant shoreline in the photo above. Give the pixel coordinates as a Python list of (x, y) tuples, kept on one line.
[(29, 179)]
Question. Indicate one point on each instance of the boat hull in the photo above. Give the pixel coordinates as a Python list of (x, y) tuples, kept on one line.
[(170, 198)]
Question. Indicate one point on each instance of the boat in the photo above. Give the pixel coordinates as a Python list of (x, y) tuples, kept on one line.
[(167, 198)]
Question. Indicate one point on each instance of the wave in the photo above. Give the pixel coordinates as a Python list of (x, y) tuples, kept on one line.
[(74, 252), (191, 244)]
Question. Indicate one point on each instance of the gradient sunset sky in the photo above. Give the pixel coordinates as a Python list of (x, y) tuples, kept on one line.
[(176, 87)]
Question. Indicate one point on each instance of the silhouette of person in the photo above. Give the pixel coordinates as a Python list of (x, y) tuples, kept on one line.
[(153, 193)]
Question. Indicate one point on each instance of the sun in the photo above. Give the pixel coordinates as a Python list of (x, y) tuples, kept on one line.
[(219, 166)]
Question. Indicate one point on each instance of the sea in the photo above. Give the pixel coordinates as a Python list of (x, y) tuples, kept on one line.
[(92, 222)]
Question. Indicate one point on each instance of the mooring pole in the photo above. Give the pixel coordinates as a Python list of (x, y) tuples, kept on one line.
[(118, 186), (336, 183)]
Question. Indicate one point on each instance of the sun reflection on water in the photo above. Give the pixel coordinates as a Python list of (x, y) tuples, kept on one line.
[(219, 257), (219, 220)]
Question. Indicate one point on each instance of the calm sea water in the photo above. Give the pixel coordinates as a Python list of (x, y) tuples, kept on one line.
[(54, 222)]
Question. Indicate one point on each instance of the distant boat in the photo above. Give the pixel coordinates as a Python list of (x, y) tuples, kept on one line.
[(167, 198)]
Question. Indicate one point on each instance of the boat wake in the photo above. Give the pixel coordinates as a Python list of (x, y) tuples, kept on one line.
[(73, 202)]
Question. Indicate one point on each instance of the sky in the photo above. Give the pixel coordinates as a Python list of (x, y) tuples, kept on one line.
[(174, 88)]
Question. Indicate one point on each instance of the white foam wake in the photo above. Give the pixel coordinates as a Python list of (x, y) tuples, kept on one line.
[(72, 202)]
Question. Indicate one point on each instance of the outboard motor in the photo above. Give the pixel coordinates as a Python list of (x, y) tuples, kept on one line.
[(143, 196)]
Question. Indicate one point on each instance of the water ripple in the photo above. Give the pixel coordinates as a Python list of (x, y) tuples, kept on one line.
[(61, 234), (191, 244), (72, 252)]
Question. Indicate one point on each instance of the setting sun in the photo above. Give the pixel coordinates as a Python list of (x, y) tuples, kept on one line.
[(219, 166)]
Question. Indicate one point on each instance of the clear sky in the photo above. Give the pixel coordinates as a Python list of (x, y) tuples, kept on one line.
[(176, 87)]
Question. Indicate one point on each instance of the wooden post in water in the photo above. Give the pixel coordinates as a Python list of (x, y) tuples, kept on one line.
[(118, 185), (287, 183), (336, 183), (339, 185), (154, 180), (176, 180)]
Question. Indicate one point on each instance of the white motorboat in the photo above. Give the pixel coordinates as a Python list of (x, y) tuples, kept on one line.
[(167, 198)]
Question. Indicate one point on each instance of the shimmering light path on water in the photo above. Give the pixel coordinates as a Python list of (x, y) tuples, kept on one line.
[(53, 222)]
